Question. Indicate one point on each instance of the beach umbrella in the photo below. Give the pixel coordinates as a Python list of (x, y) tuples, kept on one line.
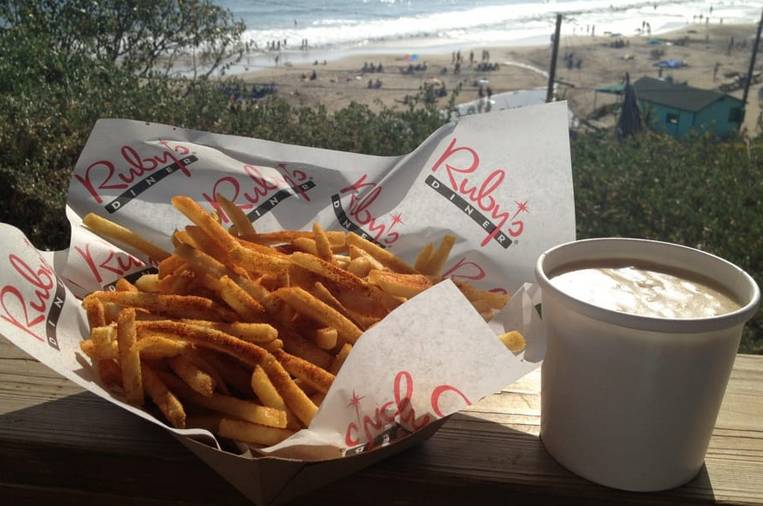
[(629, 122)]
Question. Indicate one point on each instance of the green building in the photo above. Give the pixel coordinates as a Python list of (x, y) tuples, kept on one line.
[(678, 109)]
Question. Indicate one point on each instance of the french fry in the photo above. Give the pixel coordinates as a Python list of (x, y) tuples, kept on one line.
[(176, 284), (148, 283), (305, 244), (315, 376), (200, 261), (257, 262), (382, 255), (198, 380), (95, 311), (206, 244), (88, 348), (337, 239), (165, 400), (257, 333), (169, 265), (322, 246), (340, 358), (104, 340), (123, 285), (111, 230), (129, 359), (514, 341), (326, 338), (437, 261), (110, 373), (268, 395), (179, 306), (295, 399), (359, 266), (424, 256), (495, 300), (318, 397), (303, 348), (232, 373), (237, 408), (242, 303), (208, 224), (251, 433), (236, 215), (307, 304), (157, 347), (399, 285), (356, 253)]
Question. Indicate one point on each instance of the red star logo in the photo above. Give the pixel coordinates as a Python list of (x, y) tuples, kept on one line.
[(355, 401), (521, 207), (397, 218)]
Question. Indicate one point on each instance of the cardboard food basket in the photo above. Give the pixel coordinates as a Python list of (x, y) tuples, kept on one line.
[(500, 182)]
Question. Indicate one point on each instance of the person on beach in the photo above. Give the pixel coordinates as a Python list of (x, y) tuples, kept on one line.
[(471, 57), (715, 71), (313, 75)]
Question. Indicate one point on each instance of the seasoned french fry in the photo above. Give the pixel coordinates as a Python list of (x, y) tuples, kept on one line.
[(169, 265), (237, 408), (257, 333), (148, 283), (129, 359), (88, 347), (337, 239), (236, 215), (251, 433), (315, 376), (179, 306), (269, 396), (165, 400), (340, 358), (95, 311), (255, 261), (111, 230), (206, 244), (356, 253), (200, 217), (110, 373), (514, 341), (326, 338), (157, 347), (496, 300), (318, 397), (382, 255), (232, 373), (399, 285), (194, 377), (104, 339), (437, 261), (424, 257), (242, 303), (322, 246), (293, 396), (305, 244), (200, 261), (303, 348), (307, 304), (125, 286), (360, 266)]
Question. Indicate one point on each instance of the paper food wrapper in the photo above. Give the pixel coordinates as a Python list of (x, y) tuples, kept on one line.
[(500, 182)]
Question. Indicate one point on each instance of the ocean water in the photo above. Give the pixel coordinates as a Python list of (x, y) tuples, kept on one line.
[(417, 25)]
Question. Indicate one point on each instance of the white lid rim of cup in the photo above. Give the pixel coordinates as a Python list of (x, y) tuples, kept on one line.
[(657, 324)]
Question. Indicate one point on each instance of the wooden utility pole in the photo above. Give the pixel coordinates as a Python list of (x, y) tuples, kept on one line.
[(554, 54), (752, 62)]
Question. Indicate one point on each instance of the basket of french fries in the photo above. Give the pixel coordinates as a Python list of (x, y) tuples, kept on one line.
[(272, 303)]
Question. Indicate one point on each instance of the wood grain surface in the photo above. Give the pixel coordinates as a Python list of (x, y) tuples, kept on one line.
[(60, 445)]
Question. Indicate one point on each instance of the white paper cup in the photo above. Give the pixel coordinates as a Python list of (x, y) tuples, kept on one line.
[(630, 401)]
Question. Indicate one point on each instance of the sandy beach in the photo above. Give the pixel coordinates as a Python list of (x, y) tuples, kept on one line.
[(602, 62)]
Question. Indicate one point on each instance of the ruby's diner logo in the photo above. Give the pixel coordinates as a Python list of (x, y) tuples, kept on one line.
[(32, 299), (373, 425), (356, 213), (133, 173), (475, 191)]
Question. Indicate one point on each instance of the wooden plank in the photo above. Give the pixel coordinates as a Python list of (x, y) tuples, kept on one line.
[(65, 446)]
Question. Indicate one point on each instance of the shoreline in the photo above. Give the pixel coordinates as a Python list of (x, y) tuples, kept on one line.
[(341, 80)]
